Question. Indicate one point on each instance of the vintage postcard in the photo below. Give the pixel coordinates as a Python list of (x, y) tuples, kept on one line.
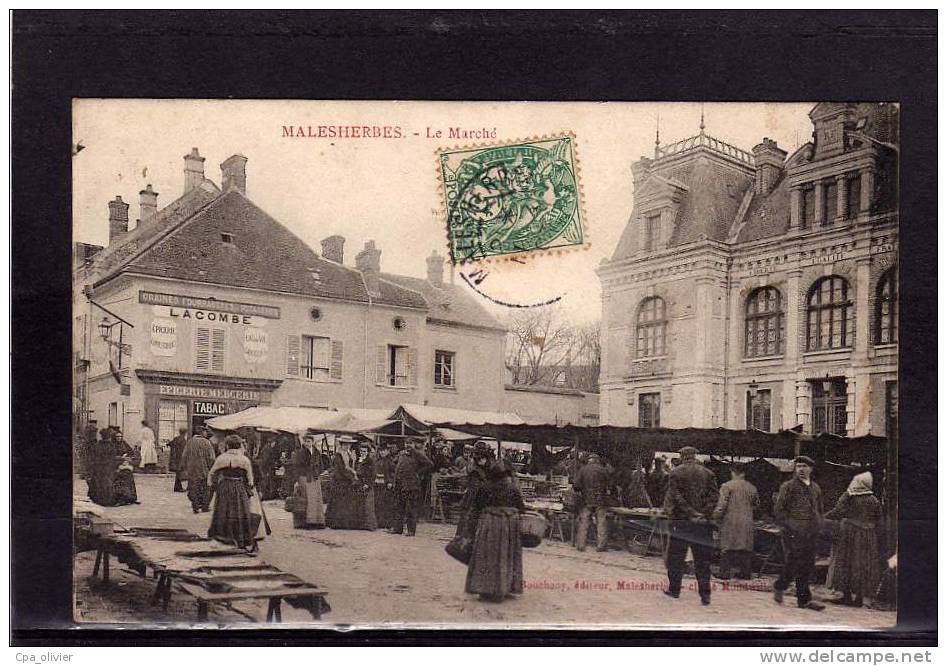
[(485, 365)]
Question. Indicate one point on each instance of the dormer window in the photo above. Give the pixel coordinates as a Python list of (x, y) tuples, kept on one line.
[(652, 232), (226, 237)]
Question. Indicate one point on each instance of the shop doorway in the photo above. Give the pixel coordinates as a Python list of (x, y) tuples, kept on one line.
[(172, 415)]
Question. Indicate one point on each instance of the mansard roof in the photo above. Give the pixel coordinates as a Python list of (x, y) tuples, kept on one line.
[(711, 195)]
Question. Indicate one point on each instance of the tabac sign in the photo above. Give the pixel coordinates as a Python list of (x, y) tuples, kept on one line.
[(210, 408)]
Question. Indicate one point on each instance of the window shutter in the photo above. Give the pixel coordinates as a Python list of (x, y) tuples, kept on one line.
[(335, 369), (292, 355), (381, 364), (412, 366), (202, 355), (217, 349)]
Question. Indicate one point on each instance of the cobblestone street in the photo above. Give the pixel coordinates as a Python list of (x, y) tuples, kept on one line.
[(378, 578)]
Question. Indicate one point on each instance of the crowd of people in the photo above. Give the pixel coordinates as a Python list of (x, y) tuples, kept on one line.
[(368, 487), (696, 508)]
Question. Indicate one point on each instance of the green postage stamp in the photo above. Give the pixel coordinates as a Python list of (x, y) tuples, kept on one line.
[(512, 199)]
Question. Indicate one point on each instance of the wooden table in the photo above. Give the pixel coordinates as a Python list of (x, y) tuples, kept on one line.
[(656, 526), (206, 570)]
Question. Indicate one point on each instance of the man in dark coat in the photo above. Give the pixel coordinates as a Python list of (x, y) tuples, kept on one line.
[(385, 503), (658, 481), (690, 501), (798, 511), (410, 469), (591, 485), (196, 460), (174, 462)]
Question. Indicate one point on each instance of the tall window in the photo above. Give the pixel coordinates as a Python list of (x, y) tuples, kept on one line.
[(651, 328), (764, 323), (891, 409), (808, 206), (887, 305), (649, 410), (443, 368), (316, 354), (397, 365), (829, 401), (758, 410), (853, 195), (652, 232), (830, 315), (829, 202)]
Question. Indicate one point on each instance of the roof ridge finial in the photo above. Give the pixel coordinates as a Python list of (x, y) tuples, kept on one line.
[(657, 134), (702, 126)]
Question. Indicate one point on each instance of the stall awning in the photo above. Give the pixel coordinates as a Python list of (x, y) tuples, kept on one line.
[(302, 419), (448, 417)]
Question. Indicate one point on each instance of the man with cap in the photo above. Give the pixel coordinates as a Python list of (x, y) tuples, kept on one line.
[(591, 485), (798, 511), (690, 501), (410, 469)]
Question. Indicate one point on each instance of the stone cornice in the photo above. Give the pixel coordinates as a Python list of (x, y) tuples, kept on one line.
[(195, 379), (806, 172)]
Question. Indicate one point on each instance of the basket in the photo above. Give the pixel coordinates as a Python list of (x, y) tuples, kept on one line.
[(533, 528)]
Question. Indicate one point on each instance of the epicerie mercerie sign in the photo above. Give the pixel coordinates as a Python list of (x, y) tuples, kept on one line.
[(208, 392), (208, 310)]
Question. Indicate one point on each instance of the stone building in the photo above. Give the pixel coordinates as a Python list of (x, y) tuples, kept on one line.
[(209, 305), (757, 289)]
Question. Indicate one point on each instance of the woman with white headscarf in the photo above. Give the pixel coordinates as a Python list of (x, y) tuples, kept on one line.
[(854, 569)]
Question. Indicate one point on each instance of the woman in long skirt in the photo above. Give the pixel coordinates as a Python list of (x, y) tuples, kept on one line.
[(343, 511), (232, 478), (124, 489), (365, 470), (495, 569), (308, 512), (854, 569), (476, 478)]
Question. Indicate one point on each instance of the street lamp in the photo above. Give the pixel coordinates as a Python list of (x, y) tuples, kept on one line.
[(754, 389)]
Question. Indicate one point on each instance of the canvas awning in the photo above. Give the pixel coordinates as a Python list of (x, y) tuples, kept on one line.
[(423, 417), (302, 419)]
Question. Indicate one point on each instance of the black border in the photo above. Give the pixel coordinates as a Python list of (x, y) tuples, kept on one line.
[(520, 55)]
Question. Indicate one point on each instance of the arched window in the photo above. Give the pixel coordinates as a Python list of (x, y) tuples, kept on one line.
[(651, 328), (830, 315), (764, 323), (887, 304)]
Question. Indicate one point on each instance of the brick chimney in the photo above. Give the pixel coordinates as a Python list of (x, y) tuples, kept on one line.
[(641, 169), (118, 219), (148, 203), (193, 170), (233, 173), (368, 261), (435, 269), (332, 248), (770, 159)]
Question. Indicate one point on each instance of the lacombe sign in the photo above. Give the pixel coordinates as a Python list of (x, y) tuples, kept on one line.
[(177, 306)]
